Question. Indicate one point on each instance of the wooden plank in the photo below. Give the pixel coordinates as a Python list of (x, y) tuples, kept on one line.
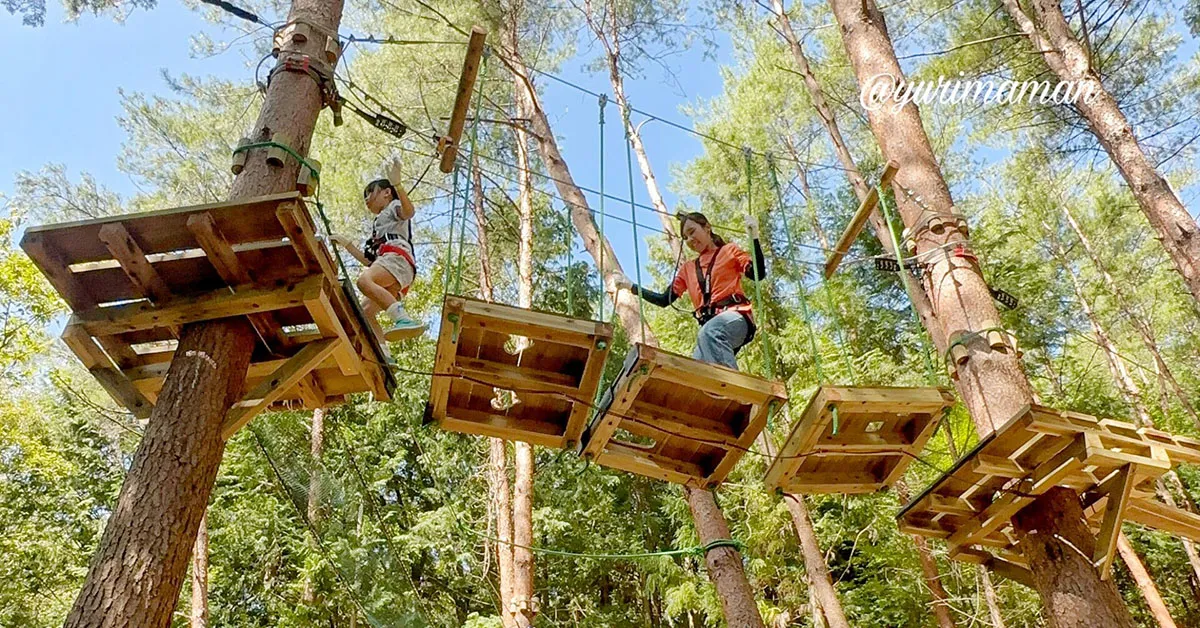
[(758, 421), (849, 483), (621, 456), (987, 464), (582, 329), (859, 220), (682, 423), (133, 261), (321, 311), (98, 364), (57, 269), (287, 215), (626, 389), (1165, 518), (183, 310), (805, 431), (310, 391), (462, 97), (525, 429), (162, 231), (588, 383), (951, 506), (216, 247), (1114, 513), (713, 379), (274, 387), (511, 377)]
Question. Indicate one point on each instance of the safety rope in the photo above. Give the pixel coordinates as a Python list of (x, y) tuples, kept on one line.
[(760, 305), (892, 228), (637, 259), (699, 551), (450, 244)]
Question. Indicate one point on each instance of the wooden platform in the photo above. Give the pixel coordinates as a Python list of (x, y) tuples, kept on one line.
[(480, 363), (1112, 464), (133, 281), (874, 437), (683, 420)]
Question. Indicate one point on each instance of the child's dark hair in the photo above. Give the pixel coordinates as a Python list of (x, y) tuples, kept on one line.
[(701, 220), (380, 184)]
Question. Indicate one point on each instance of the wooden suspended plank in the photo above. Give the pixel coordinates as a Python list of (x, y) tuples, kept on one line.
[(859, 220), (878, 432), (321, 311), (555, 375), (133, 261), (1118, 491), (703, 417), (462, 97), (264, 394)]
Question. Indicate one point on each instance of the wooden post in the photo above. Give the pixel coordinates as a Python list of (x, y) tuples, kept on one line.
[(989, 379), (139, 567), (462, 98)]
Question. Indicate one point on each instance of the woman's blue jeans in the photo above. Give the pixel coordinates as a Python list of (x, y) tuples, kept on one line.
[(720, 338)]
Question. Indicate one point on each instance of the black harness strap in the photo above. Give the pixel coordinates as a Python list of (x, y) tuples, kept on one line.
[(707, 310)]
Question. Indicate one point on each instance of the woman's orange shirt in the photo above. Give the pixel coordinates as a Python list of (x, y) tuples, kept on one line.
[(726, 279)]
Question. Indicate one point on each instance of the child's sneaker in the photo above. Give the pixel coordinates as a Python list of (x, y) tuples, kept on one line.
[(403, 326)]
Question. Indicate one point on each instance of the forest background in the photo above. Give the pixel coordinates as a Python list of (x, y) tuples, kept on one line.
[(374, 519)]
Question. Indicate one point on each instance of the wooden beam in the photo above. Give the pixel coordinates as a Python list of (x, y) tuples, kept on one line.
[(987, 464), (588, 382), (113, 381), (535, 431), (309, 390), (511, 377), (1162, 517), (133, 261), (275, 386), (620, 456), (625, 392), (462, 97), (1118, 492), (854, 483), (682, 424), (57, 270), (321, 311), (220, 254), (210, 306), (859, 220)]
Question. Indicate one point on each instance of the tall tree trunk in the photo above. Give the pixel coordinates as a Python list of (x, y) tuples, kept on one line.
[(819, 582), (929, 568), (989, 597), (724, 563), (990, 381), (1068, 59), (1142, 326), (316, 445), (499, 492), (200, 577), (142, 559), (1154, 600), (920, 299), (524, 604), (609, 34)]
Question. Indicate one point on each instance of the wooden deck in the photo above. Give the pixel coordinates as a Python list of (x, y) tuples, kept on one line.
[(488, 352), (678, 419), (133, 281), (1112, 464), (876, 434)]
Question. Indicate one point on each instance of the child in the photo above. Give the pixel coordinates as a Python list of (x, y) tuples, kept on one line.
[(388, 257)]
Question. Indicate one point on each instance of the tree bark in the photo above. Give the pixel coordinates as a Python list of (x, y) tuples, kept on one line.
[(990, 381), (1154, 600), (1068, 59), (139, 567), (1140, 324), (920, 299), (200, 577), (138, 570), (724, 563), (819, 582), (1059, 545), (316, 444), (929, 568), (989, 597)]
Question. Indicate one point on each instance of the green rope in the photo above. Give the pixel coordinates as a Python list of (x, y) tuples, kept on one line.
[(603, 101), (758, 300), (462, 229), (637, 260), (892, 228), (453, 215), (570, 262), (801, 293)]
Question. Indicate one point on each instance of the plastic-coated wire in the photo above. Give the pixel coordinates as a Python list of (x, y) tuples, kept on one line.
[(238, 11), (450, 245), (800, 291), (891, 226)]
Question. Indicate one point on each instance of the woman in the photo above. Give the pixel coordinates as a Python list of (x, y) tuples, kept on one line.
[(714, 282)]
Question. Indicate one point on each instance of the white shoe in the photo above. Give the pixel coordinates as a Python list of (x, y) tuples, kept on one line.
[(403, 326)]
